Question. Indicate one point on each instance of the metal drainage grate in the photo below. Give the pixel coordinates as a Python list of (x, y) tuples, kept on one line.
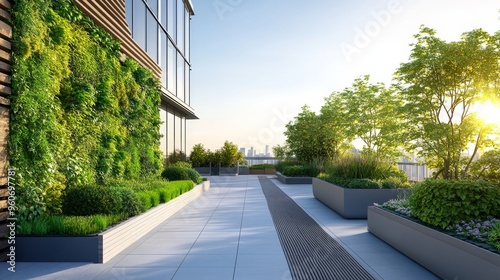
[(310, 252)]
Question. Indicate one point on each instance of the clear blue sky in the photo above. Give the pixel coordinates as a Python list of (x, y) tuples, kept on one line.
[(255, 63)]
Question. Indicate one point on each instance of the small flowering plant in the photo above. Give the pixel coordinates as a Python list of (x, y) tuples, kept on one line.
[(477, 229), (399, 205)]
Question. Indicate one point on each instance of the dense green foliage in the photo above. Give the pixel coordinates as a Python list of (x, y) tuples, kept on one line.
[(362, 169), (263, 166), (177, 173), (79, 115), (439, 84), (68, 225), (443, 202), (228, 155), (494, 236), (90, 200), (300, 171), (363, 184)]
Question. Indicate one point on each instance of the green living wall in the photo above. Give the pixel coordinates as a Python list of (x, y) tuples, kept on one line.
[(80, 116)]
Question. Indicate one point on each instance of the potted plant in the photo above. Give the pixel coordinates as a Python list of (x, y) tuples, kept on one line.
[(352, 184), (461, 242)]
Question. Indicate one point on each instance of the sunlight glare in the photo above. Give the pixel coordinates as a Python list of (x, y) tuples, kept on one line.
[(488, 113)]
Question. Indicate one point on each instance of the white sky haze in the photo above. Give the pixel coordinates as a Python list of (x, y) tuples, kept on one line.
[(255, 63)]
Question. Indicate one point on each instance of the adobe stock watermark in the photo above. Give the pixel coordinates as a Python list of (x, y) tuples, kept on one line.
[(225, 6), (373, 28), (12, 219)]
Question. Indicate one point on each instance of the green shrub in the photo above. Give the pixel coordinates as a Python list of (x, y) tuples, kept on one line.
[(263, 166), (130, 203), (181, 164), (91, 200), (391, 183), (494, 236), (363, 184), (282, 165), (154, 196), (444, 202), (145, 199), (298, 171), (165, 195), (175, 174), (68, 225), (194, 176)]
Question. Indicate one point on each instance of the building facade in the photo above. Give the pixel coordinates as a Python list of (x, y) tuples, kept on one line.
[(155, 33)]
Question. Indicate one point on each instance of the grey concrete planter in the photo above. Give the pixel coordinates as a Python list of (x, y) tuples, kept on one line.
[(444, 255), (293, 180), (351, 203), (100, 248), (266, 171), (204, 171), (244, 170), (228, 171)]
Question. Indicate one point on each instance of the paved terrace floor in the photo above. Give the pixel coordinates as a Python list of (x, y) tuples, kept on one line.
[(228, 233)]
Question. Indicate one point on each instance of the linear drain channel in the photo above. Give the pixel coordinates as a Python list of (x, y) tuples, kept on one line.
[(310, 252)]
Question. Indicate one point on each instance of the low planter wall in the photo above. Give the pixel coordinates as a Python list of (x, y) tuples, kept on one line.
[(244, 171), (293, 180), (444, 255), (228, 171), (351, 203), (267, 171), (100, 248), (204, 171)]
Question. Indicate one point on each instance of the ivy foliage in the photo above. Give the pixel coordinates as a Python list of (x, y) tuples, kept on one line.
[(444, 202), (79, 115)]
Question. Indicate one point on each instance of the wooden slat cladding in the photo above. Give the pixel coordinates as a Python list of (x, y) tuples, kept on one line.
[(5, 90), (110, 15)]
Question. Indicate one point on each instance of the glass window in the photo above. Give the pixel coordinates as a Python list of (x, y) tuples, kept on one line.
[(163, 12), (128, 13), (170, 131), (163, 129), (187, 78), (172, 19), (153, 5), (152, 39), (183, 134), (139, 27), (180, 77), (178, 132), (187, 34), (172, 77), (180, 25), (163, 57)]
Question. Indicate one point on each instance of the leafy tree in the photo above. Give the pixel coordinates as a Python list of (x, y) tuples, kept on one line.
[(282, 152), (176, 156), (487, 166), (372, 113), (335, 128), (303, 136), (229, 154), (199, 156), (439, 84)]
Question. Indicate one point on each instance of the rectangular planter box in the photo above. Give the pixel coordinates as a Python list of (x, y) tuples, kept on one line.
[(293, 180), (244, 171), (351, 203), (267, 171), (204, 171), (228, 171), (100, 248), (444, 255)]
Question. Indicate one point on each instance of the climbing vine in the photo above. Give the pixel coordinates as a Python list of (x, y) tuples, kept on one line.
[(80, 116)]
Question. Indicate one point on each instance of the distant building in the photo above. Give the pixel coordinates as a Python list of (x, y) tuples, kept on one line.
[(268, 154), (251, 152), (242, 151)]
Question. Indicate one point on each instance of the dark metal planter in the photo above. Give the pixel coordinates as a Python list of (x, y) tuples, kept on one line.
[(442, 254), (351, 203), (101, 247), (293, 180)]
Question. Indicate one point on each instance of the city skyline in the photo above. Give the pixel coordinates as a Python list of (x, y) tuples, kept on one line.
[(256, 63)]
